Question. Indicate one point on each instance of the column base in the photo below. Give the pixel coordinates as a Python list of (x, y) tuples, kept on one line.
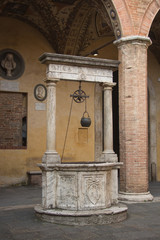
[(135, 197), (110, 215), (51, 158), (108, 157)]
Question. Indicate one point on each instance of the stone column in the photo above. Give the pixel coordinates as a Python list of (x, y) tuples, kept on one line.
[(108, 153), (51, 156), (133, 118)]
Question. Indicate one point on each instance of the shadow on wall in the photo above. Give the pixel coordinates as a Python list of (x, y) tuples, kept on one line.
[(31, 163), (34, 175)]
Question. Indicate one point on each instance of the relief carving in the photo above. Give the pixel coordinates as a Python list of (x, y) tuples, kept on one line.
[(11, 64), (93, 191), (8, 64), (66, 192)]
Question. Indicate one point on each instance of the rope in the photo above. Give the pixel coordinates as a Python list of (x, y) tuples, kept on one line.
[(69, 118), (85, 105)]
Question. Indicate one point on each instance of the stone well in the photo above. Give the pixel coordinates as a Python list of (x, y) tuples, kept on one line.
[(79, 193)]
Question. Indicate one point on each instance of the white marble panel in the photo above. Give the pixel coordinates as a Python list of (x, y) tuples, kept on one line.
[(40, 106), (92, 191), (48, 189), (67, 191), (7, 85), (73, 73)]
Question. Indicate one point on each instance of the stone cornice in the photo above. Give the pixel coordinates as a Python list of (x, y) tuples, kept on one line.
[(63, 59)]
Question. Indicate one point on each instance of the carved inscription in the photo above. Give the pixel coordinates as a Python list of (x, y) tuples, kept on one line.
[(79, 73)]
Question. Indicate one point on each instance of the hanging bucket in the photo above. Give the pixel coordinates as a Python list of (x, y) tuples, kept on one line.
[(85, 121)]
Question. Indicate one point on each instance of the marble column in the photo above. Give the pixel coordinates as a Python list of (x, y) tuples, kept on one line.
[(133, 118), (108, 154), (51, 156)]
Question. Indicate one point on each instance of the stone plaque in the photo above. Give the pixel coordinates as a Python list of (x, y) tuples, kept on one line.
[(40, 106), (9, 86)]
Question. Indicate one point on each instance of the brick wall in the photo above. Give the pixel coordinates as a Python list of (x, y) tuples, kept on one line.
[(12, 110)]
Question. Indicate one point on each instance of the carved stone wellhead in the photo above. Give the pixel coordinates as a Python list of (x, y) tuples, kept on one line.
[(86, 192)]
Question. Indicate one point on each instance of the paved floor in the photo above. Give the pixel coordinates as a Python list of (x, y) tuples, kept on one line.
[(18, 221)]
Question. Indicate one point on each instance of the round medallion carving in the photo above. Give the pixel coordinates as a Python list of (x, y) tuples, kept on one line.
[(118, 32), (11, 64), (113, 14), (40, 92)]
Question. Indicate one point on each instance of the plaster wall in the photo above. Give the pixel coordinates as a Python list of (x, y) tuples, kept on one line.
[(30, 44), (154, 76), (80, 141)]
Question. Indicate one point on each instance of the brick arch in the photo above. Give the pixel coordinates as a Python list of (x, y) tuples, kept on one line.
[(124, 16), (148, 17)]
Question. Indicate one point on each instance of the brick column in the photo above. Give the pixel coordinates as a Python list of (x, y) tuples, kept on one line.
[(51, 156), (133, 118)]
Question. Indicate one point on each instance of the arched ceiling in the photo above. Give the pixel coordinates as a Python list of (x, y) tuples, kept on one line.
[(69, 25), (154, 34)]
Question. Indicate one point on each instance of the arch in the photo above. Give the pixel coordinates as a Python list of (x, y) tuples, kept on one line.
[(148, 17), (124, 17)]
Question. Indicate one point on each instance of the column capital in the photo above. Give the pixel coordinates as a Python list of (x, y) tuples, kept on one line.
[(50, 81), (108, 85), (141, 40)]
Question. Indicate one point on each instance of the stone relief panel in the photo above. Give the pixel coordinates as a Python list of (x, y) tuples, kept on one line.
[(67, 191), (93, 191)]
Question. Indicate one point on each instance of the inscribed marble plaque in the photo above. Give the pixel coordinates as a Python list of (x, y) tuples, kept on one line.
[(40, 106), (6, 85)]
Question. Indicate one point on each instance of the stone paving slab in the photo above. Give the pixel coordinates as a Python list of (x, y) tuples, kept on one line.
[(18, 220)]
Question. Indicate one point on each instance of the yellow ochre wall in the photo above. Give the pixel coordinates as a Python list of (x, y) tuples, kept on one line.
[(30, 44), (80, 141)]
